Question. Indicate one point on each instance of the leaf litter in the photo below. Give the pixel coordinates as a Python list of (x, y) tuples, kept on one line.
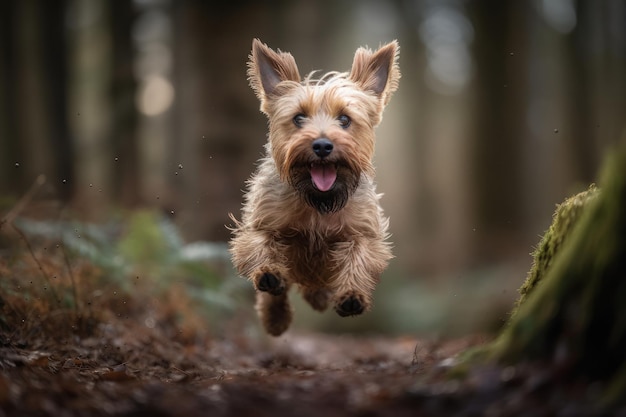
[(80, 338)]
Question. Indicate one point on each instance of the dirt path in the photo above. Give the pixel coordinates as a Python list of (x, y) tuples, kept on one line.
[(305, 375), (127, 369), (79, 339)]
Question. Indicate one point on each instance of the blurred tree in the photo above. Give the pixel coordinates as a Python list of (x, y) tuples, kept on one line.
[(220, 131), (215, 122), (578, 62), (91, 112), (34, 132), (54, 72), (11, 182), (498, 134), (126, 189)]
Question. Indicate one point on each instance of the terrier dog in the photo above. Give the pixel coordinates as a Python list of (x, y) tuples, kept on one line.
[(311, 215)]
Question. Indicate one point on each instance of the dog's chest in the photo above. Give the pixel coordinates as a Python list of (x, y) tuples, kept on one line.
[(310, 256)]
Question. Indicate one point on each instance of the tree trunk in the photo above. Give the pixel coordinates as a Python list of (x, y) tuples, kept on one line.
[(51, 16), (12, 181), (126, 187), (576, 316), (500, 88)]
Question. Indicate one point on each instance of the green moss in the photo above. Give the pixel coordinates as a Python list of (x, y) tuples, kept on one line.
[(563, 220)]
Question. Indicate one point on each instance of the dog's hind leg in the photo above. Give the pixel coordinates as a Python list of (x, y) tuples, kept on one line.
[(274, 311), (317, 298)]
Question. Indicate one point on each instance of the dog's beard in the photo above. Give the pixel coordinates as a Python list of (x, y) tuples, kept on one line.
[(330, 201)]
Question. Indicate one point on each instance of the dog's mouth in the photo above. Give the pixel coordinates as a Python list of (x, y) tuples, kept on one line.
[(323, 176), (325, 185)]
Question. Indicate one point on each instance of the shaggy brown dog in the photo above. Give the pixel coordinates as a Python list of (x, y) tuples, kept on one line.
[(311, 215)]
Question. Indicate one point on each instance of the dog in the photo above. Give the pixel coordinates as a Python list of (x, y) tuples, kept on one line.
[(311, 216)]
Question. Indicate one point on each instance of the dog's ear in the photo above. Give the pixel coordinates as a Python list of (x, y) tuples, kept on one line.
[(378, 71), (266, 69)]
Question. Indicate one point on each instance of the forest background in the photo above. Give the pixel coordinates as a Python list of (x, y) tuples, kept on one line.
[(115, 108)]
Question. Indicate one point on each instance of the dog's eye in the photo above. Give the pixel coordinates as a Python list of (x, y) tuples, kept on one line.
[(299, 119), (344, 121)]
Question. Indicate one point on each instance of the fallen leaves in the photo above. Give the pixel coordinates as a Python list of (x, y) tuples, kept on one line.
[(117, 352)]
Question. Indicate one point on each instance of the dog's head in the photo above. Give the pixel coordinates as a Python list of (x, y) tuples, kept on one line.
[(321, 130)]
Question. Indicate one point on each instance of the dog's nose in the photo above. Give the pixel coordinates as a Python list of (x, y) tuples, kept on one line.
[(322, 147)]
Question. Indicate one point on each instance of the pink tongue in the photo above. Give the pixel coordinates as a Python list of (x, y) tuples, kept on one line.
[(323, 176)]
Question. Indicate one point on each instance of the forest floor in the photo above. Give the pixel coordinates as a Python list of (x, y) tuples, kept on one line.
[(129, 372), (136, 373), (76, 342), (129, 366)]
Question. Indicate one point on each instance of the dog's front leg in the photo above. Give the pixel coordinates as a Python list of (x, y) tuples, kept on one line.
[(357, 268), (261, 258)]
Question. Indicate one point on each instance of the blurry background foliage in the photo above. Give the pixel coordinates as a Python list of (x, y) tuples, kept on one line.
[(139, 115), (146, 245)]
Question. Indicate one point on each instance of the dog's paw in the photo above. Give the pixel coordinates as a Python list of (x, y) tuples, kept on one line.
[(351, 305), (271, 283), (318, 299)]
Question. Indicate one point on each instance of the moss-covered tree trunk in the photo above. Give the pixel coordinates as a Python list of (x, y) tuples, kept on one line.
[(573, 306)]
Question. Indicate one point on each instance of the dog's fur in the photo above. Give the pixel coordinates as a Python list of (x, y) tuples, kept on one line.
[(312, 216)]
